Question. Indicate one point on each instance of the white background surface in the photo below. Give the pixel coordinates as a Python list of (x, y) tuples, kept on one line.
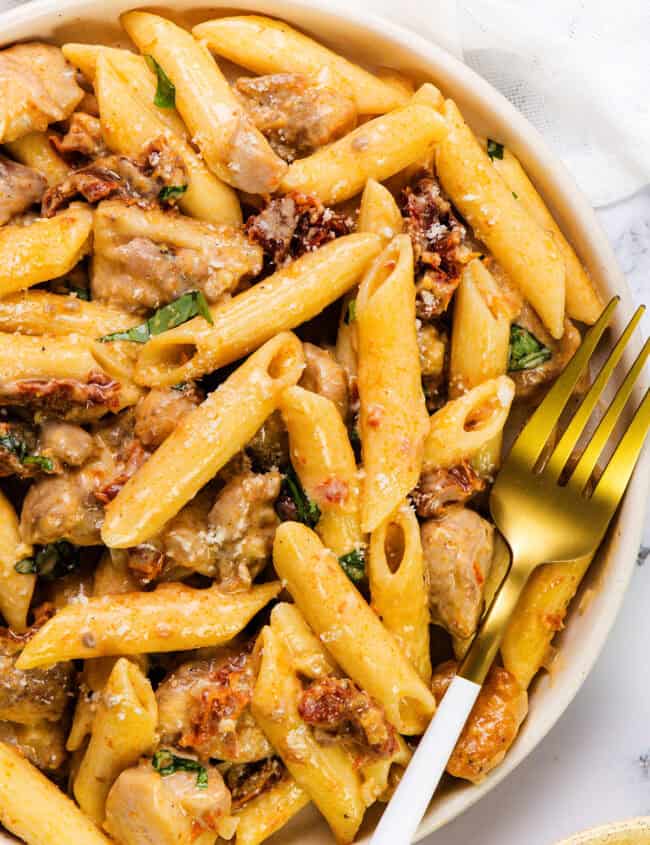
[(594, 766)]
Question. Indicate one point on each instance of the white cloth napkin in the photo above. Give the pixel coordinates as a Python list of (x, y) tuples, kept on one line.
[(578, 69)]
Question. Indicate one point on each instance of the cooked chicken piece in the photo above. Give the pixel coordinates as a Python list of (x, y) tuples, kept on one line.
[(158, 413), (145, 808), (297, 113), (269, 448), (65, 398), (43, 743), (492, 726), (324, 375), (204, 706), (242, 526), (142, 179), (338, 707), (437, 237), (18, 440), (530, 383), (125, 463), (31, 695), (20, 188), (37, 87), (294, 224), (457, 556), (82, 141), (68, 443), (440, 488), (248, 780), (146, 258)]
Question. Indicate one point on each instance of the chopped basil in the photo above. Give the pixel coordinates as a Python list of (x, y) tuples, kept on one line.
[(171, 192), (181, 386), (179, 311), (51, 561), (494, 149), (526, 351), (82, 293), (350, 312), (165, 97), (15, 445), (166, 763), (354, 565), (307, 511), (46, 464)]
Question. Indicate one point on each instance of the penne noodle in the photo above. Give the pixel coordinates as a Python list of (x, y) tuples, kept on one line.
[(527, 253), (379, 213), (375, 150), (202, 443), (264, 45), (291, 296), (37, 312), (230, 144), (35, 150), (308, 657), (171, 618), (44, 250), (463, 426), (352, 633), (323, 459), (123, 729), (266, 813), (393, 418), (129, 124), (36, 810), (397, 590), (15, 588)]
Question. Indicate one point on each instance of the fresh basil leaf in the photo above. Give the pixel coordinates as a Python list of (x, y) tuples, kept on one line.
[(179, 311), (166, 763), (307, 511), (171, 192), (46, 464), (494, 149), (354, 565), (350, 312), (15, 445), (51, 561), (526, 352), (165, 97), (82, 293)]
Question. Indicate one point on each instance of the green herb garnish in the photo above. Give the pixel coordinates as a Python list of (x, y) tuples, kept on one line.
[(307, 511), (15, 445), (171, 192), (526, 351), (350, 312), (51, 561), (165, 97), (354, 565), (494, 149), (46, 464), (166, 763), (181, 386), (179, 311), (516, 196)]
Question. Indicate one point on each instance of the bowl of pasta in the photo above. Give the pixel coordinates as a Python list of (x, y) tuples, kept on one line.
[(275, 286)]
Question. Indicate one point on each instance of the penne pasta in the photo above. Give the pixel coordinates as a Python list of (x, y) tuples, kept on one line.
[(230, 144), (327, 773), (43, 250), (129, 124), (375, 150), (123, 729), (352, 633), (323, 459), (37, 312), (16, 589), (266, 813), (308, 657), (202, 443), (379, 213), (171, 618), (393, 417), (34, 150), (290, 296), (463, 426), (527, 253), (264, 45), (397, 590)]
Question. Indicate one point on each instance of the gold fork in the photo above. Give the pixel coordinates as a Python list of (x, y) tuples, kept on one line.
[(551, 513)]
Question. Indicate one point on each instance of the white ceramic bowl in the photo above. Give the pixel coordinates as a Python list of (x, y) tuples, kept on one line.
[(367, 38)]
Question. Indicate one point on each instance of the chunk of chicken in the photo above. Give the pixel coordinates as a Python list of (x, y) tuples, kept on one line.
[(20, 188), (297, 113), (204, 706), (82, 141), (43, 743), (441, 487), (65, 442), (158, 413), (242, 526), (457, 556), (492, 726), (324, 375), (37, 87), (146, 258)]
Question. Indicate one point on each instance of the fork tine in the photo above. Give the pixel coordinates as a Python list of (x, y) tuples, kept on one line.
[(531, 441), (564, 448), (612, 483), (585, 466)]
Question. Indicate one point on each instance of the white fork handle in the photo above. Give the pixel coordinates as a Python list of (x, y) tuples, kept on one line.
[(401, 817)]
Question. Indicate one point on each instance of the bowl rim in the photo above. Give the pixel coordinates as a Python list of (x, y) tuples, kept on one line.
[(576, 215)]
